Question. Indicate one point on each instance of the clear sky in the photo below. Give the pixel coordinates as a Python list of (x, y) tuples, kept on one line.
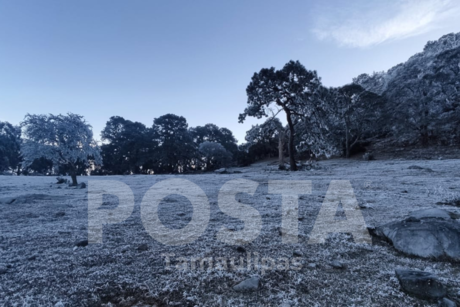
[(141, 59)]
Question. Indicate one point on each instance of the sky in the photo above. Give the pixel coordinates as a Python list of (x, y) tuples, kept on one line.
[(141, 59)]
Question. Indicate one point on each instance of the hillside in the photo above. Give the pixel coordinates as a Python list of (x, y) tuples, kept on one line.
[(423, 94)]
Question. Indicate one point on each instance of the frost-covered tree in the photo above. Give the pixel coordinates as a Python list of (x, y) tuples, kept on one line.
[(315, 134), (214, 155), (176, 147), (66, 140), (130, 146), (422, 101), (289, 89), (354, 114), (267, 136), (10, 142), (212, 133)]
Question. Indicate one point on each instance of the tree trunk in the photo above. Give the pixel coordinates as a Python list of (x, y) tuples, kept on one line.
[(280, 149), (74, 178), (347, 145), (291, 140)]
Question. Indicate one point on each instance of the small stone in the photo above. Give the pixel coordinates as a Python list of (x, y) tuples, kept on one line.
[(143, 247), (420, 284), (3, 270), (59, 214), (75, 248), (447, 303), (337, 265), (248, 285), (59, 304), (82, 185), (32, 258), (240, 249), (82, 243), (312, 265), (297, 253), (221, 171)]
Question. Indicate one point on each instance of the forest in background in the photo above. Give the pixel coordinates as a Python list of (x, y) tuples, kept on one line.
[(413, 103)]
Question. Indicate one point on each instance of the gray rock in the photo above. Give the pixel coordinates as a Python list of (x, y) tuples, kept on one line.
[(143, 247), (447, 303), (337, 265), (297, 253), (81, 243), (61, 180), (248, 285), (7, 201), (420, 284), (312, 265), (3, 269), (431, 213), (427, 234), (240, 249), (221, 171), (82, 185), (59, 214), (415, 167)]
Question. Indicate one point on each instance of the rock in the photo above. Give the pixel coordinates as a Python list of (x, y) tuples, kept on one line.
[(337, 265), (240, 249), (420, 284), (428, 233), (368, 156), (82, 185), (7, 201), (32, 258), (248, 285), (221, 171), (61, 180), (3, 270), (420, 168), (431, 213), (59, 214), (297, 253), (312, 265), (81, 243), (447, 303), (366, 206), (59, 304), (143, 247)]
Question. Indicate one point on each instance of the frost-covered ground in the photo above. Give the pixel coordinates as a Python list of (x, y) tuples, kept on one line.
[(40, 265)]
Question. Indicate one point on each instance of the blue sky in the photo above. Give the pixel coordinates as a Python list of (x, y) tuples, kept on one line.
[(142, 59)]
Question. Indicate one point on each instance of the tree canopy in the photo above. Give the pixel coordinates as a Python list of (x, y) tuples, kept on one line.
[(66, 140)]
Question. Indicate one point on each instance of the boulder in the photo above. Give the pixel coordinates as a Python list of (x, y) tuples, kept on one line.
[(420, 284), (81, 243), (433, 213), (248, 285), (448, 303), (431, 233)]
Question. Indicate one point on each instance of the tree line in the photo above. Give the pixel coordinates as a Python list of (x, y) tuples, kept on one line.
[(64, 144), (411, 104)]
